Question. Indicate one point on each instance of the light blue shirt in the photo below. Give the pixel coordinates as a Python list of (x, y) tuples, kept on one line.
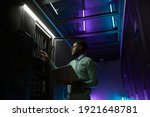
[(85, 68)]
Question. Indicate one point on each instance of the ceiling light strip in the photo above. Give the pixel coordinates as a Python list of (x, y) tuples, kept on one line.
[(84, 25), (113, 21), (111, 10), (28, 10), (54, 8), (42, 29)]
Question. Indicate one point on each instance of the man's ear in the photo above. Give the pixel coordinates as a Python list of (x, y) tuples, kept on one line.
[(80, 47)]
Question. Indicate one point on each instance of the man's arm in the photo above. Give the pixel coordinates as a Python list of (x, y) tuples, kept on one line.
[(51, 65)]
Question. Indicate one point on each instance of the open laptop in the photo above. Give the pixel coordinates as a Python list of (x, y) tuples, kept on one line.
[(64, 75)]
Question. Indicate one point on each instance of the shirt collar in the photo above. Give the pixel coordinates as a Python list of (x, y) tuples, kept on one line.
[(81, 56)]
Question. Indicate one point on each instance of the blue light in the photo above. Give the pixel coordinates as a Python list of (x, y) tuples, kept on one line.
[(111, 10), (126, 98), (113, 22), (117, 97)]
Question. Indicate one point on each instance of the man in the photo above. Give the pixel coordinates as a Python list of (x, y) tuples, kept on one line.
[(84, 67)]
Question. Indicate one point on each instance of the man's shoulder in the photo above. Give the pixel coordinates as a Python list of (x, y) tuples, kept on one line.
[(87, 58), (71, 62)]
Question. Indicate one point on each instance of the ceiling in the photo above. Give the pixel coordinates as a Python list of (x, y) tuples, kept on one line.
[(97, 21)]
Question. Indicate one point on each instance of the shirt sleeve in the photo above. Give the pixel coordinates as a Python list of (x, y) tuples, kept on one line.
[(51, 65), (91, 70)]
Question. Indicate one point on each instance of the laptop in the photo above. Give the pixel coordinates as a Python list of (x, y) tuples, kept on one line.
[(64, 75)]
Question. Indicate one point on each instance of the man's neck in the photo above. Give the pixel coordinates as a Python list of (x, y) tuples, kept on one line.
[(81, 56)]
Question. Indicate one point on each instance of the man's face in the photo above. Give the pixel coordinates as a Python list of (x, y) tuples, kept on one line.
[(75, 50)]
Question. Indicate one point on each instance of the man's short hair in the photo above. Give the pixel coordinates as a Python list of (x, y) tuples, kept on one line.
[(83, 44)]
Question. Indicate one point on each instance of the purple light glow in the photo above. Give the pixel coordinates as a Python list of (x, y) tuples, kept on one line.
[(95, 97), (83, 20), (145, 95), (137, 97), (83, 13)]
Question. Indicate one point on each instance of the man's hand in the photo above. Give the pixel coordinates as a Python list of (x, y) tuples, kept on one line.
[(44, 56)]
